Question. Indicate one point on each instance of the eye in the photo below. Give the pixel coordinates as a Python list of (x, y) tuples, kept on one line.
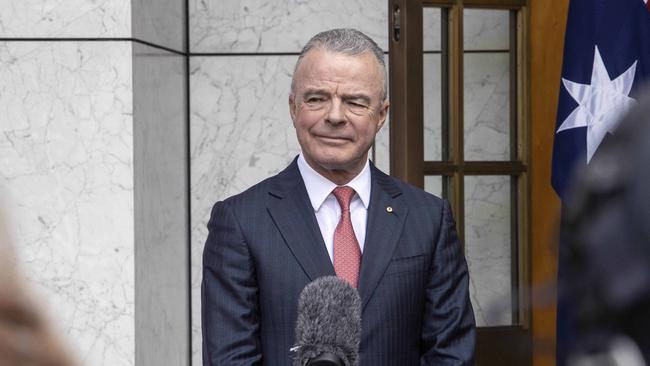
[(357, 104), (314, 99)]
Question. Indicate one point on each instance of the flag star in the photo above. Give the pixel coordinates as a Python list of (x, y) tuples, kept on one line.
[(601, 104)]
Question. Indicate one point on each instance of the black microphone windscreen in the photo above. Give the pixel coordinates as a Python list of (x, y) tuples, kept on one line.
[(329, 321)]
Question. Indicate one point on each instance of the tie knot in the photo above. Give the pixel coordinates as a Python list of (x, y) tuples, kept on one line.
[(344, 196)]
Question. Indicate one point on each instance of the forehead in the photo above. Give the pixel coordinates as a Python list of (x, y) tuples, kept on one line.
[(322, 68)]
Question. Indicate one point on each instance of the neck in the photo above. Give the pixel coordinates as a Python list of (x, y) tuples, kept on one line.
[(340, 177)]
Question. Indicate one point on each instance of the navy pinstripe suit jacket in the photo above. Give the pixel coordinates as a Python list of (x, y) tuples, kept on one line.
[(264, 245)]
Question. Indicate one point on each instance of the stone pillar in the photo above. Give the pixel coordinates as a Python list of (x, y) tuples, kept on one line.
[(94, 167)]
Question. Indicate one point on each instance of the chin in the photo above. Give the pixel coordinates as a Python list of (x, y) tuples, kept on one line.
[(334, 159), (338, 163)]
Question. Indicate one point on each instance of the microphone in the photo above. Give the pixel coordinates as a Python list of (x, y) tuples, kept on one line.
[(328, 328)]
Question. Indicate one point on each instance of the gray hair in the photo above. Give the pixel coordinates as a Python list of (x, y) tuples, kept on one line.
[(347, 41)]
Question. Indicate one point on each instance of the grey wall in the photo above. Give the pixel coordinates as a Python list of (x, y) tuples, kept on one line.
[(94, 169), (161, 207)]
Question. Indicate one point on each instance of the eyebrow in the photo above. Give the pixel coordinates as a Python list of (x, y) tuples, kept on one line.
[(315, 92)]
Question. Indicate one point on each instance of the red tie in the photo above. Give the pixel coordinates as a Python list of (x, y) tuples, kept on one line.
[(347, 255)]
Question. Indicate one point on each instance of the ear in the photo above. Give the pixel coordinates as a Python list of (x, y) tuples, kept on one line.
[(383, 114), (292, 107)]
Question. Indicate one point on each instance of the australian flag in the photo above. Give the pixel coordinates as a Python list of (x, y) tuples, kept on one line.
[(606, 61)]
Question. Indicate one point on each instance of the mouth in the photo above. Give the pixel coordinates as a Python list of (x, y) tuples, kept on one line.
[(332, 139)]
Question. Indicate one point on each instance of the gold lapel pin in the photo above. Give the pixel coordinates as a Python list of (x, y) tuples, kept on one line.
[(389, 209)]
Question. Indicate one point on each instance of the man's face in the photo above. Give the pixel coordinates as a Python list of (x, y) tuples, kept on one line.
[(337, 109)]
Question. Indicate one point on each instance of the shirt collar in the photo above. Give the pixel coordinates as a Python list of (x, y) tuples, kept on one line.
[(319, 187)]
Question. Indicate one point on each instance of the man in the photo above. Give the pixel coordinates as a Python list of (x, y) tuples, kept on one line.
[(394, 242)]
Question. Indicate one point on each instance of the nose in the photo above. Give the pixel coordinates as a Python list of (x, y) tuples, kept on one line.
[(335, 115)]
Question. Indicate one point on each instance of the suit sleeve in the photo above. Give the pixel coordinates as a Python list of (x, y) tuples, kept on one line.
[(449, 331), (229, 294)]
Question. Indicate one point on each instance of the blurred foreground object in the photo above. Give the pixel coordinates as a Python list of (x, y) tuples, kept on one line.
[(606, 60), (607, 226), (25, 338)]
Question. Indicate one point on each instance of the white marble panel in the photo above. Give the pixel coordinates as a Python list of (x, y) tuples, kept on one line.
[(483, 29), (279, 26), (69, 18), (241, 133), (431, 29), (487, 248), (381, 148), (161, 207), (433, 184), (380, 152), (66, 157), (161, 22), (487, 106), (432, 113), (486, 29)]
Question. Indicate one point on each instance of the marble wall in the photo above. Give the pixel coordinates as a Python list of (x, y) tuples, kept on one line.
[(262, 26), (66, 157), (487, 248), (94, 170), (70, 18)]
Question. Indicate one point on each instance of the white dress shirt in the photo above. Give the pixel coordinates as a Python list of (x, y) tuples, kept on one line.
[(327, 209)]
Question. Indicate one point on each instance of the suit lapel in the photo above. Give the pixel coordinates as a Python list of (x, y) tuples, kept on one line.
[(383, 232), (294, 217)]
